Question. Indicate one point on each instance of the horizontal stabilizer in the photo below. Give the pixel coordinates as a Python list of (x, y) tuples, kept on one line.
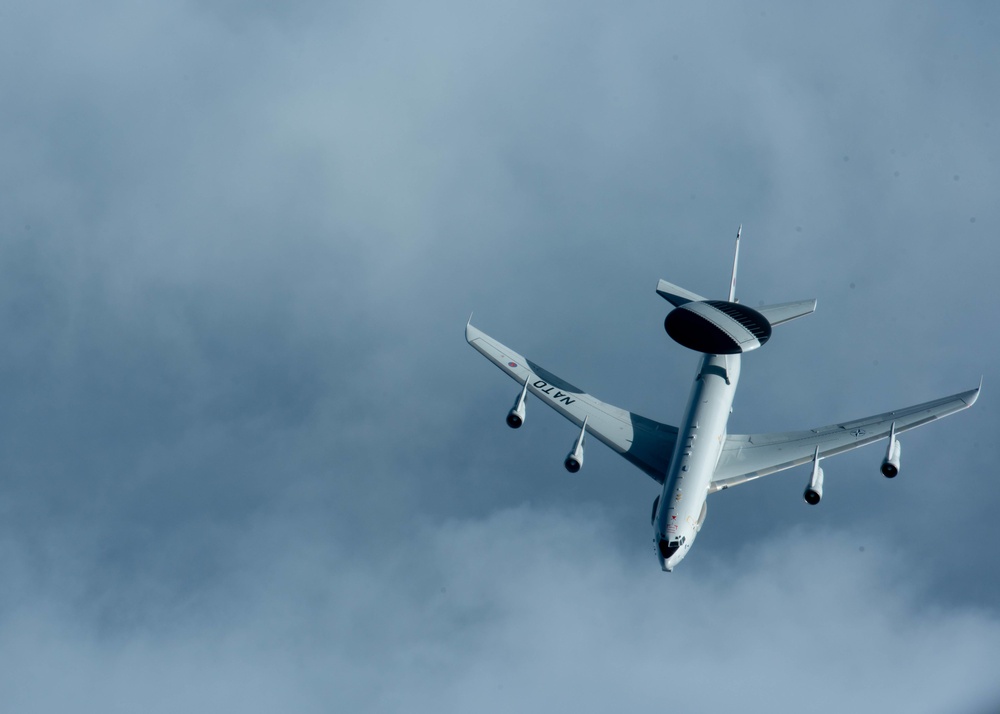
[(675, 294), (786, 311)]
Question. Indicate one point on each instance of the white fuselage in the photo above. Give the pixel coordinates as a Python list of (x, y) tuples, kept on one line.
[(700, 438)]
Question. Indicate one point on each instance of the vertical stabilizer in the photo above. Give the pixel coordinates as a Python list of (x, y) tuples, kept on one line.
[(736, 260)]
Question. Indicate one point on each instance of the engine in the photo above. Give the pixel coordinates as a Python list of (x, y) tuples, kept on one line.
[(574, 460), (652, 516), (515, 417), (814, 490), (890, 464)]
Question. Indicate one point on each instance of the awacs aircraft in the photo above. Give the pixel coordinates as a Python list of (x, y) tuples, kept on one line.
[(700, 457)]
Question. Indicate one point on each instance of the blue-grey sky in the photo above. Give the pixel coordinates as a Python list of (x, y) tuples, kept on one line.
[(248, 463)]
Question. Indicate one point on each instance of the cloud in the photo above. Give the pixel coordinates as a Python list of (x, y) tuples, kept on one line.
[(526, 609)]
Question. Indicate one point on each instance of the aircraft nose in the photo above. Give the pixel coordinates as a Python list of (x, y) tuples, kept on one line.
[(665, 550)]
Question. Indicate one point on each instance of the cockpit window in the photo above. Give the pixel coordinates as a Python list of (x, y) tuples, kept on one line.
[(668, 548)]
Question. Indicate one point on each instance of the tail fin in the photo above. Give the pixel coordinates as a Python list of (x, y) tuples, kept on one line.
[(678, 296), (774, 314), (736, 259)]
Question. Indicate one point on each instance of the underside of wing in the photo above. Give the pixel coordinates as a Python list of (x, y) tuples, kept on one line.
[(746, 457), (646, 443)]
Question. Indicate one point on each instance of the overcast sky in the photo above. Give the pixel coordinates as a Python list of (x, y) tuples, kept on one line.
[(249, 464)]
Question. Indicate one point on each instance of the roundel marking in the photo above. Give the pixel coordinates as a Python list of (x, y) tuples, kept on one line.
[(512, 364)]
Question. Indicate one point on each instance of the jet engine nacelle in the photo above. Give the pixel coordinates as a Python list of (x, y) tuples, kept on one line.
[(515, 417), (574, 460), (652, 516), (890, 464), (814, 491)]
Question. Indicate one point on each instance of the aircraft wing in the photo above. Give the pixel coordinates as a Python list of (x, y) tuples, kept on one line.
[(746, 457), (644, 442)]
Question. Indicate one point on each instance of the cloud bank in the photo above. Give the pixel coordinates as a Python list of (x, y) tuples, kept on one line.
[(527, 609)]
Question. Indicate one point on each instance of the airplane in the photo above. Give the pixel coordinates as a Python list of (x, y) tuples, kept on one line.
[(699, 457)]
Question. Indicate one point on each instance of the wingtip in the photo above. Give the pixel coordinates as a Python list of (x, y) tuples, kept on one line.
[(470, 332), (974, 393)]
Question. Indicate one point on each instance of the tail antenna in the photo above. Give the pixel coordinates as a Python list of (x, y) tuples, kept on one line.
[(732, 285)]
